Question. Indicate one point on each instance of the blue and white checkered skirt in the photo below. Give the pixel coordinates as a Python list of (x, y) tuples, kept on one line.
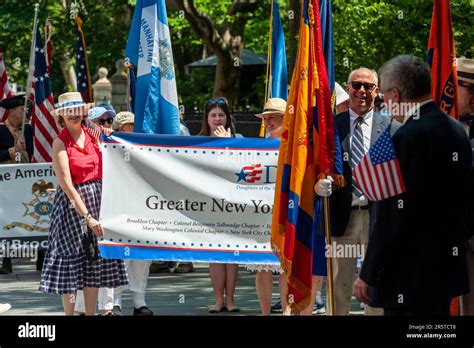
[(66, 268)]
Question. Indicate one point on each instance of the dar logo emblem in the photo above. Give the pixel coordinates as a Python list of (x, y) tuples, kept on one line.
[(39, 208)]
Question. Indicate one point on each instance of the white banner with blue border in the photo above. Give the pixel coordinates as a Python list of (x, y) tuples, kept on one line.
[(198, 199)]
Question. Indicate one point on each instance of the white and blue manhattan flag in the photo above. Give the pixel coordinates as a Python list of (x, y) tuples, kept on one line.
[(149, 50)]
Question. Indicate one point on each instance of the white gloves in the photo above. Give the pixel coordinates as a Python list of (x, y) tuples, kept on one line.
[(323, 187)]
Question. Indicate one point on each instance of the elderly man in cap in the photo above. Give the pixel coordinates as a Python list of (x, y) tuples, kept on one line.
[(13, 147), (465, 68), (124, 122)]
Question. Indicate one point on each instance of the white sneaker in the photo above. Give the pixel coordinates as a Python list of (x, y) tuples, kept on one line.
[(4, 307)]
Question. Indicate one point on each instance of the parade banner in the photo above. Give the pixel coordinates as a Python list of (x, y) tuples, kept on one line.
[(200, 199), (26, 202)]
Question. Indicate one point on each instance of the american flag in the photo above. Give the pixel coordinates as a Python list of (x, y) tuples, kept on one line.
[(44, 126), (84, 85), (378, 172), (4, 88), (253, 172), (94, 131)]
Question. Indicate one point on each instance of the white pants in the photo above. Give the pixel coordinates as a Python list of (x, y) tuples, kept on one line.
[(105, 300), (138, 271)]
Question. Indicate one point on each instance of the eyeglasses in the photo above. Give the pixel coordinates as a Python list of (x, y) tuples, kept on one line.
[(216, 102), (369, 87), (103, 121)]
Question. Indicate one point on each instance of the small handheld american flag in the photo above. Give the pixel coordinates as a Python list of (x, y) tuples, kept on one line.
[(378, 172), (93, 130)]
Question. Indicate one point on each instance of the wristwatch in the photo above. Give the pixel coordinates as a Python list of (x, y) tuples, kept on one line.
[(86, 217)]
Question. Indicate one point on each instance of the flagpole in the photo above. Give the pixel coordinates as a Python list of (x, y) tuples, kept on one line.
[(330, 278), (269, 63), (30, 71), (127, 67)]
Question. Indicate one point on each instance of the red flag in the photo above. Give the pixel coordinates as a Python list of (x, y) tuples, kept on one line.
[(4, 88), (442, 59)]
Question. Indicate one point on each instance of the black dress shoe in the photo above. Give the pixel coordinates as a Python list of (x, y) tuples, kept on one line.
[(117, 311), (6, 266), (142, 311)]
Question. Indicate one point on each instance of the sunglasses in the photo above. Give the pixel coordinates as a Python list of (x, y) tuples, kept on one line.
[(369, 87), (103, 121), (216, 102)]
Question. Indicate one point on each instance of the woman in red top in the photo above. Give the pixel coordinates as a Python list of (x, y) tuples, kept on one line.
[(77, 164)]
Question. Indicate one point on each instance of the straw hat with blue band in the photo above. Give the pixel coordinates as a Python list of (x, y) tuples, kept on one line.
[(69, 103)]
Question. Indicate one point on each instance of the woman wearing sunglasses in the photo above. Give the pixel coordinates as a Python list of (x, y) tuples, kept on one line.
[(100, 116), (217, 121)]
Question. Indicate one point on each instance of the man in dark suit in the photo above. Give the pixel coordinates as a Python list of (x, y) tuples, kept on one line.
[(13, 147), (358, 129), (416, 253)]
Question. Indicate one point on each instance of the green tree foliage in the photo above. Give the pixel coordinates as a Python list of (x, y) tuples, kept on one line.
[(106, 25), (366, 33)]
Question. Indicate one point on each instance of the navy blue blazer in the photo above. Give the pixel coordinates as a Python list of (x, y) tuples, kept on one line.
[(341, 199), (416, 251)]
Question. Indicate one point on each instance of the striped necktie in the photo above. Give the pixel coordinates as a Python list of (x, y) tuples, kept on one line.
[(357, 151)]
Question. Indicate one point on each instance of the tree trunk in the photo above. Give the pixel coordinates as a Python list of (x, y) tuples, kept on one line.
[(227, 79), (295, 11), (69, 74), (225, 40)]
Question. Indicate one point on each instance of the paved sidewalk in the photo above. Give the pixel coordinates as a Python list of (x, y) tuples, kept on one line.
[(167, 294)]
